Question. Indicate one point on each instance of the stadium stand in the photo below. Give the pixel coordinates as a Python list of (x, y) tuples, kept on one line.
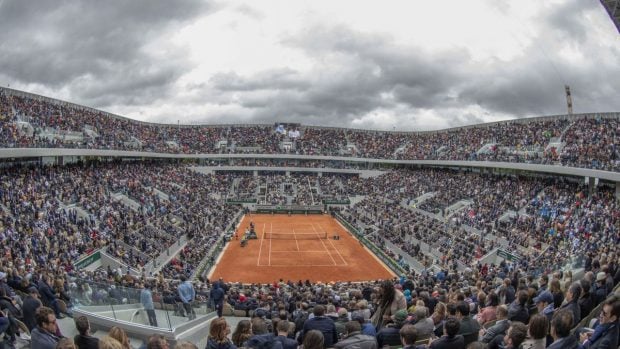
[(456, 235)]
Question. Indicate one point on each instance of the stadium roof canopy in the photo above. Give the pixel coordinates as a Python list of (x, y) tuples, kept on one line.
[(613, 8)]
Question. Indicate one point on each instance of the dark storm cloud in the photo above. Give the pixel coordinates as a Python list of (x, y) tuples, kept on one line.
[(284, 78), (98, 50), (365, 72)]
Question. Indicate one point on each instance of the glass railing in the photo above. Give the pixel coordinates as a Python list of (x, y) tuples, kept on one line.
[(123, 304)]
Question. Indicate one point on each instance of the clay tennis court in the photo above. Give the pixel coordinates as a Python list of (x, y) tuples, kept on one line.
[(297, 247)]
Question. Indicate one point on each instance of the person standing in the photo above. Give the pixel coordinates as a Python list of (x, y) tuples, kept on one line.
[(217, 296), (146, 298), (187, 295)]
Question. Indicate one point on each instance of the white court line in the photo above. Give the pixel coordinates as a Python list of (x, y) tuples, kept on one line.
[(296, 243), (261, 246), (324, 246), (283, 251), (301, 265), (342, 258), (270, 244)]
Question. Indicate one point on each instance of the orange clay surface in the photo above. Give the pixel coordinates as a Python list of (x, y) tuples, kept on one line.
[(269, 260)]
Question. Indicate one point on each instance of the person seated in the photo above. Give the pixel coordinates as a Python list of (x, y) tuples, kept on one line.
[(514, 337), (390, 335), (469, 328), (354, 339), (605, 334), (424, 325), (561, 324), (451, 339), (499, 328)]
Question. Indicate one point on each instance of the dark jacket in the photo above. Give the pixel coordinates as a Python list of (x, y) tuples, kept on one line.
[(212, 344), (47, 295), (518, 312), (287, 343), (599, 294), (569, 342), (445, 342), (585, 304), (263, 341), (29, 307), (469, 330), (323, 324), (604, 337), (574, 308), (86, 342), (388, 336), (217, 295), (6, 303)]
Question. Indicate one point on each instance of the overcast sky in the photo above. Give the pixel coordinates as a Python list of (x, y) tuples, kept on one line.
[(404, 65)]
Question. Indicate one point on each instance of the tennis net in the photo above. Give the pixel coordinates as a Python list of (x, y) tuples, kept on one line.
[(295, 236)]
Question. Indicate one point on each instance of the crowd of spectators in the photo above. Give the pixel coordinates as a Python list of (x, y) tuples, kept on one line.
[(583, 142), (50, 216)]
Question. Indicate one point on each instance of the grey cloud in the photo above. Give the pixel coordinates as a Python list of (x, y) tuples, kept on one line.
[(97, 48), (274, 79), (365, 67)]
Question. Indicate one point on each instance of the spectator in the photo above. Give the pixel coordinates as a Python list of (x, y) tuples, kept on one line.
[(323, 324), (48, 297), (44, 335), (585, 301), (218, 335), (468, 327), (107, 342), (84, 340), (537, 331), (217, 295), (354, 339), (515, 336), (390, 335), (561, 324), (600, 289), (408, 337), (450, 339), (120, 335), (423, 324), (499, 328), (242, 333), (185, 345), (518, 311), (283, 330), (187, 295), (605, 334), (313, 340), (544, 304), (572, 296), (29, 308), (391, 300), (157, 341), (146, 299), (367, 327)]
